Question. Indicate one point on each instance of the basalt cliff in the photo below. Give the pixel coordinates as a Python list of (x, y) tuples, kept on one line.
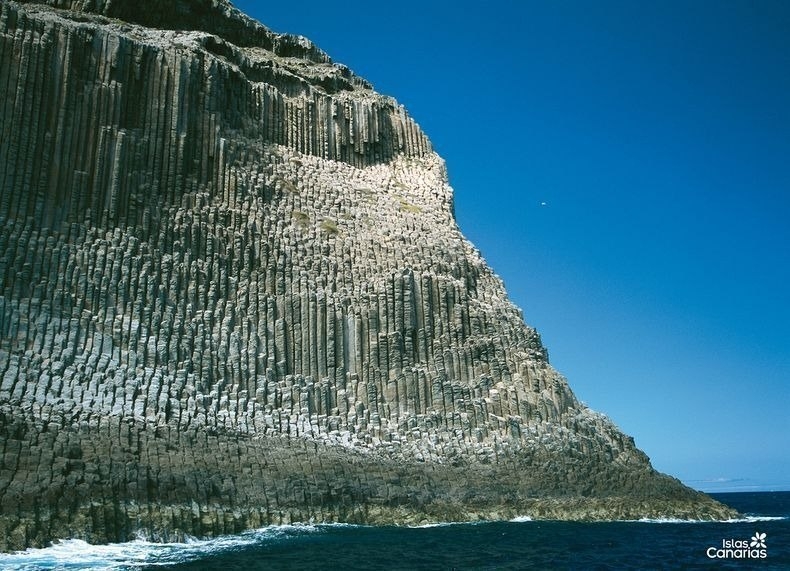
[(233, 294)]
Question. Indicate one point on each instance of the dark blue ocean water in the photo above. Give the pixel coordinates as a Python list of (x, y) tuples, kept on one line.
[(500, 545)]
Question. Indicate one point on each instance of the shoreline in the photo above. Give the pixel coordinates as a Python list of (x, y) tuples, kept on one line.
[(153, 521), (278, 531), (115, 481)]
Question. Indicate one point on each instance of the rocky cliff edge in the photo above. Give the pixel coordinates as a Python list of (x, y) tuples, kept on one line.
[(233, 293)]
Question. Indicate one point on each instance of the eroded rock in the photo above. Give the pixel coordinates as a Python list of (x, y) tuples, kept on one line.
[(233, 294)]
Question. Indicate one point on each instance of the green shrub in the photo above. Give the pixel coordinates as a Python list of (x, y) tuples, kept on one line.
[(300, 218), (329, 226), (409, 207)]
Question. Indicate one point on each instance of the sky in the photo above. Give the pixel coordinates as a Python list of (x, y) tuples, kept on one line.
[(625, 168)]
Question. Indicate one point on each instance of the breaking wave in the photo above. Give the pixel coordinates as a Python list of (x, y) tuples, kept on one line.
[(755, 518), (745, 519), (78, 554), (312, 546)]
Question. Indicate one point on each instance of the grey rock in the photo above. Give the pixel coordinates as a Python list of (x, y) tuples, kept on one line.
[(233, 294)]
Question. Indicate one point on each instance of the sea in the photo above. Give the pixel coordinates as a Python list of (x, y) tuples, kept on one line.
[(758, 540)]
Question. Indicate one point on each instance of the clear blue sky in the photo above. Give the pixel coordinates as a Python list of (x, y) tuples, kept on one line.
[(658, 136)]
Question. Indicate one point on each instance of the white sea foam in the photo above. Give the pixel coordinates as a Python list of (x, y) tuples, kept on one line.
[(78, 554), (440, 524), (665, 520), (755, 518), (448, 524), (521, 519), (747, 519)]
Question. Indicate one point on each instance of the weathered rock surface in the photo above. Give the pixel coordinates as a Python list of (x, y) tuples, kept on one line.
[(233, 293)]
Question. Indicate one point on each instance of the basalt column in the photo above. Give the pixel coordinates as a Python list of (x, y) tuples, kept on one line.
[(233, 294)]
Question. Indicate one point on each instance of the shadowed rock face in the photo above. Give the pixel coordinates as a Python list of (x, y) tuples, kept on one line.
[(233, 293)]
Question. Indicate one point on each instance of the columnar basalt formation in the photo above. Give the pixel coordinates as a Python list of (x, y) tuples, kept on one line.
[(233, 293)]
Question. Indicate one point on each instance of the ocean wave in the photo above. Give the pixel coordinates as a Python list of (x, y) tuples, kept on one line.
[(755, 518), (78, 554), (746, 519), (521, 519), (449, 524), (441, 524), (666, 520)]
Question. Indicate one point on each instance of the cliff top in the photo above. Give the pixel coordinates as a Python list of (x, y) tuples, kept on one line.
[(234, 36)]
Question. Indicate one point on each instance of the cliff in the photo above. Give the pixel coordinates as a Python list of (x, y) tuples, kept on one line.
[(233, 293)]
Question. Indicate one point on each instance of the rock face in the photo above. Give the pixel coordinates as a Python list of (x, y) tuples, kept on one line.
[(233, 293)]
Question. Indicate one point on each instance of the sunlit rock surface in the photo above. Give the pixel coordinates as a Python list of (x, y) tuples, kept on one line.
[(233, 293)]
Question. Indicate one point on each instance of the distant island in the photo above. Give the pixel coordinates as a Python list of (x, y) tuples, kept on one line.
[(233, 293)]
